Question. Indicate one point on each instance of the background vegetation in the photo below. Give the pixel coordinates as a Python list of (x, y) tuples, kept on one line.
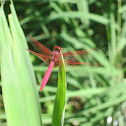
[(95, 94)]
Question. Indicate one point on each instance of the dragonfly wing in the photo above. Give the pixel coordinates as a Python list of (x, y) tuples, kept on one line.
[(73, 63), (71, 57), (40, 48), (76, 63), (46, 59), (79, 52)]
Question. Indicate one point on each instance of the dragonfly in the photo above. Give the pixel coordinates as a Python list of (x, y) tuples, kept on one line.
[(53, 58)]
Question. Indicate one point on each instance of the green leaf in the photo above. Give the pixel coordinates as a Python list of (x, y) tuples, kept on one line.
[(18, 80), (59, 106)]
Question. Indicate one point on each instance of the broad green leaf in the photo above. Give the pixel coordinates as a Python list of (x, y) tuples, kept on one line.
[(18, 81)]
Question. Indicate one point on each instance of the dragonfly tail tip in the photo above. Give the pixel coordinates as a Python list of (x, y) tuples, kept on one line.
[(41, 89)]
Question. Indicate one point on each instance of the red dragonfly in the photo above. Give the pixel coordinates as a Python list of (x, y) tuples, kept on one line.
[(53, 58)]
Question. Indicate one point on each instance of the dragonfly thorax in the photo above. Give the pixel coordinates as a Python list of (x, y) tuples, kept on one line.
[(55, 56)]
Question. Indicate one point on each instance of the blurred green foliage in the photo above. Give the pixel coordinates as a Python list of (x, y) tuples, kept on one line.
[(94, 92)]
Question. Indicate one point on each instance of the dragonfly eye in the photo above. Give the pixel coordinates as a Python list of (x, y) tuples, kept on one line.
[(58, 49)]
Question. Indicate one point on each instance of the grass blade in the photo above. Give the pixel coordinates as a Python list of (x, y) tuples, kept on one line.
[(59, 106)]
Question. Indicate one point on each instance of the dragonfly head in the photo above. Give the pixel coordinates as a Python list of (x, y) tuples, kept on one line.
[(57, 49)]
